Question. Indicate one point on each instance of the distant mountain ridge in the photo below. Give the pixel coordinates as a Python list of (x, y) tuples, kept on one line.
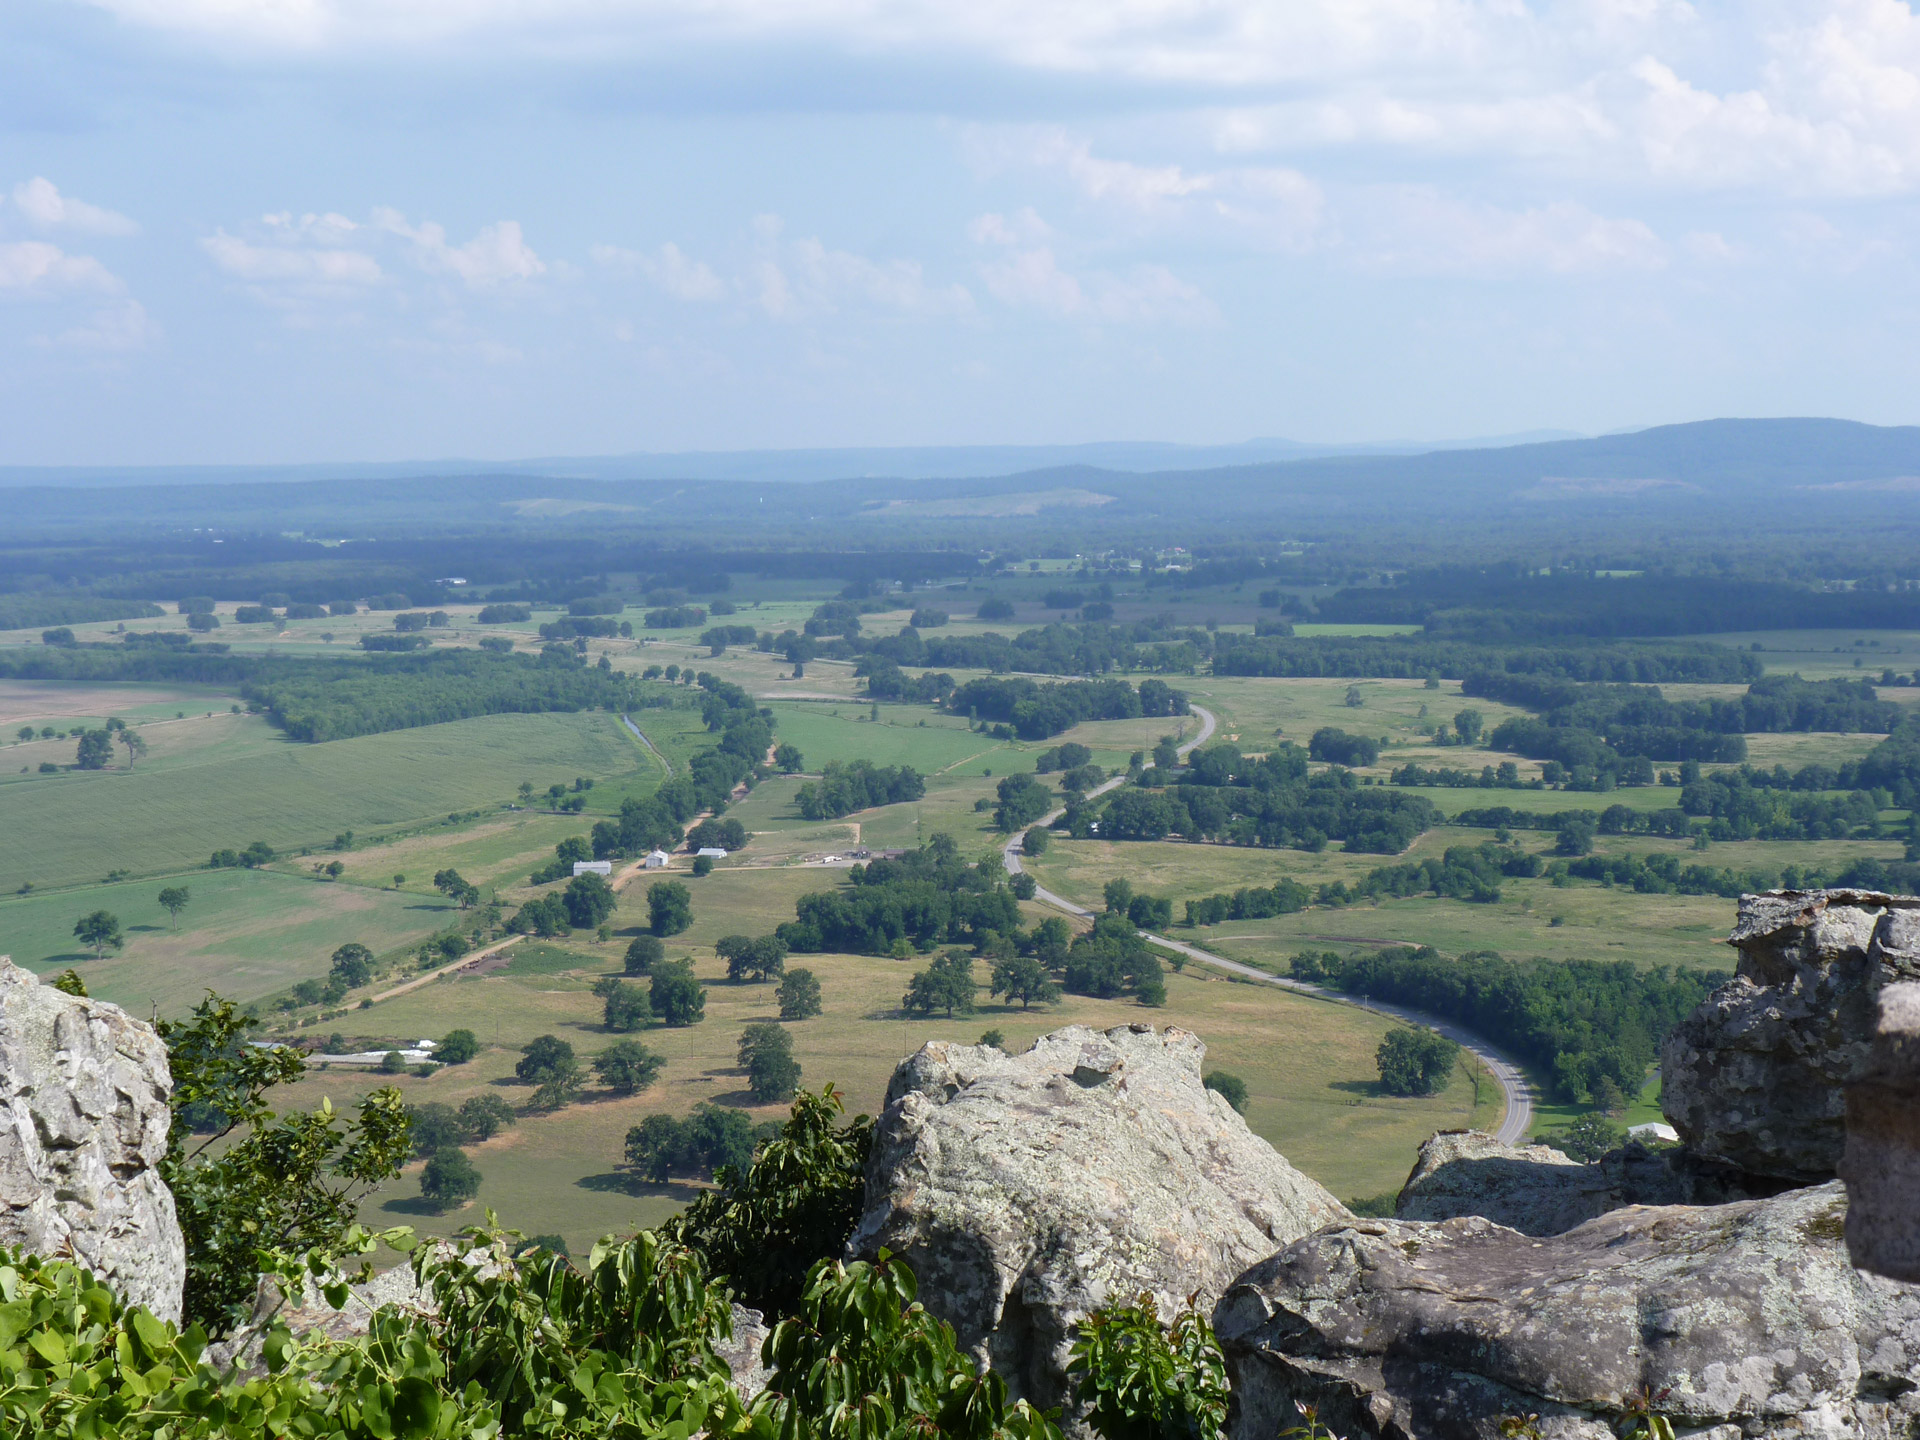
[(1787, 472), (917, 462)]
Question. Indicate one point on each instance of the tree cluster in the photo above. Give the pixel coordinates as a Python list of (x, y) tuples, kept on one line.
[(1038, 712), (1578, 1021), (858, 785), (1269, 801)]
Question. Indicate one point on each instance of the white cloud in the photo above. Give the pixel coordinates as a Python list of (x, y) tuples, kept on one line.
[(497, 254), (1275, 204), (1033, 279), (283, 262), (1203, 41), (34, 269), (41, 202), (115, 329), (1421, 232), (799, 279), (669, 268)]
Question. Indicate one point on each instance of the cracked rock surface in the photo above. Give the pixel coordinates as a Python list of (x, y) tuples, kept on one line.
[(1756, 1077), (1747, 1315), (1027, 1190), (83, 1128)]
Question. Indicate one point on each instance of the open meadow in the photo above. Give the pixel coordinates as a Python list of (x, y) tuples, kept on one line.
[(1308, 1064), (243, 933), (250, 783)]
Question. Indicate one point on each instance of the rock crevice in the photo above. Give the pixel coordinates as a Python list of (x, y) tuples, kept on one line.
[(84, 1117)]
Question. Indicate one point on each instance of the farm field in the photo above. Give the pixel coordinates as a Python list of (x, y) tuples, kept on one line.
[(1828, 654), (57, 829), (444, 797), (1594, 922), (1308, 1065), (244, 933)]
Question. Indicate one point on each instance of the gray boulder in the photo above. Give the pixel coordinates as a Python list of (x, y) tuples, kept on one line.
[(1029, 1190), (1756, 1077), (1534, 1189), (1745, 1320), (1537, 1190), (1882, 1163), (83, 1129)]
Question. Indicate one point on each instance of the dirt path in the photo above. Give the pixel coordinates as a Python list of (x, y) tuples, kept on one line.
[(466, 961)]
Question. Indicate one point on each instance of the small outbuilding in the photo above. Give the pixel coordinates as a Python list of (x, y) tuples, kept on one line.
[(657, 859)]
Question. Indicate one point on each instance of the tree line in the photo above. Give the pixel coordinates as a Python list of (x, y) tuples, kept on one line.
[(1590, 1028), (1416, 657), (1039, 712), (1269, 800)]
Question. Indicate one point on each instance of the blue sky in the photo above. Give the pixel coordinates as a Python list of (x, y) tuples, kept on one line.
[(290, 230)]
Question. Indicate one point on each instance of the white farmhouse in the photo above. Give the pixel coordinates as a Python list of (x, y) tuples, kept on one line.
[(657, 859)]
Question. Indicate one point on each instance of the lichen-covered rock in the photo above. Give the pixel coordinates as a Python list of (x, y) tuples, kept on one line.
[(1537, 1190), (1534, 1189), (1742, 1319), (1027, 1191), (1882, 1163), (1756, 1077), (83, 1128), (310, 1316), (742, 1352)]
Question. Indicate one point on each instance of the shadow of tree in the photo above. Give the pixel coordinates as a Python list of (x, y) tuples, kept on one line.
[(1373, 1089), (411, 1205), (622, 1182)]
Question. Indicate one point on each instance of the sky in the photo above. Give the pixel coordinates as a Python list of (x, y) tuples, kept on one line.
[(258, 231)]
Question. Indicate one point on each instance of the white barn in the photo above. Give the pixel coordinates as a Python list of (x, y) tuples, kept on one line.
[(593, 867), (657, 859), (713, 852)]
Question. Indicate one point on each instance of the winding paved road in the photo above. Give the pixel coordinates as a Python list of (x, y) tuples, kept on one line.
[(1519, 1117)]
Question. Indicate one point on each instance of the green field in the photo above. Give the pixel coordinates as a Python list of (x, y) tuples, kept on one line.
[(245, 933), (1308, 1066), (214, 779), (254, 785), (843, 733)]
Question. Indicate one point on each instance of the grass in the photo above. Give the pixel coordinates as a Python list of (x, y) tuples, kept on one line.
[(63, 828), (942, 743), (1594, 922), (245, 933), (1308, 1065)]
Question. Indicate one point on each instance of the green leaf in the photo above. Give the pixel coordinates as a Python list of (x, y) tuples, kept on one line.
[(416, 1409), (49, 1346)]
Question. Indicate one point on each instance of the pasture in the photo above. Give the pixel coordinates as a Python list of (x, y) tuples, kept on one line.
[(254, 785), (244, 933), (1308, 1065)]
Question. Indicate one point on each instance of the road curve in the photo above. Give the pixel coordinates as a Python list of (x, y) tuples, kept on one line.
[(1518, 1119)]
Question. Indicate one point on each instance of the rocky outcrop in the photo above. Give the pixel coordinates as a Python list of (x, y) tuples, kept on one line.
[(1028, 1190), (1537, 1190), (1746, 1320), (1882, 1163), (310, 1316), (1534, 1189), (742, 1352), (83, 1128), (1756, 1077)]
